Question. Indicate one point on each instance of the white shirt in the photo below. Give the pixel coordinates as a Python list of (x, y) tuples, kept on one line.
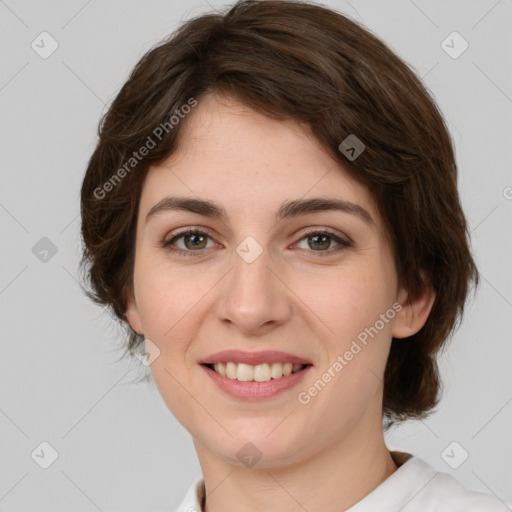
[(414, 487)]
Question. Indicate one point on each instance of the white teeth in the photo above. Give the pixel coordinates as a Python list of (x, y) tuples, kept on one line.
[(244, 372), (287, 368), (231, 370), (262, 373), (220, 368), (276, 370), (259, 373)]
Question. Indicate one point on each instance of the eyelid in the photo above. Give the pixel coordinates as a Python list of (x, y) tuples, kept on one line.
[(327, 231)]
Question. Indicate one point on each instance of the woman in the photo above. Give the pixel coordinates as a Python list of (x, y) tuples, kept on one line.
[(272, 211)]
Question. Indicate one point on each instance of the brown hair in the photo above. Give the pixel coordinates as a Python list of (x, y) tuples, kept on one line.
[(296, 60)]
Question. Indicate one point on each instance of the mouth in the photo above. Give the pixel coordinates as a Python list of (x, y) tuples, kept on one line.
[(260, 382), (264, 372), (255, 375)]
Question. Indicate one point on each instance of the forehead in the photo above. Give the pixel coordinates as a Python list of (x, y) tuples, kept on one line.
[(250, 163)]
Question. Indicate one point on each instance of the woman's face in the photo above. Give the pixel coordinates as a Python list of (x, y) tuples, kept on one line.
[(271, 276)]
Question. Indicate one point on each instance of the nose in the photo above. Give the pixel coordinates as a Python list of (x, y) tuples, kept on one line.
[(254, 298)]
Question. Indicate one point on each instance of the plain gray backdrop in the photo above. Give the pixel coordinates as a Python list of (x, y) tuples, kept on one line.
[(117, 446)]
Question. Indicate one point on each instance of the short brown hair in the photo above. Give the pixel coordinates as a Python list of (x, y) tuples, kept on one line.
[(301, 61)]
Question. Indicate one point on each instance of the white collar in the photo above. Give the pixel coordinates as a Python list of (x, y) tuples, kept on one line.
[(414, 487)]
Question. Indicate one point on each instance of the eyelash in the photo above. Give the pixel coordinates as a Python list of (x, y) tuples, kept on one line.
[(166, 244)]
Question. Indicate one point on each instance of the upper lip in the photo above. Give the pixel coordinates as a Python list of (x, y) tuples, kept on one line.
[(253, 358)]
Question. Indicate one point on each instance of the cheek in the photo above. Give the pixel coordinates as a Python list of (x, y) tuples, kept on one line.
[(349, 300), (170, 305), (356, 305), (166, 298), (355, 349)]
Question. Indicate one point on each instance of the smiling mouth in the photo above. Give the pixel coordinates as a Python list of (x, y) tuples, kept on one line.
[(257, 373)]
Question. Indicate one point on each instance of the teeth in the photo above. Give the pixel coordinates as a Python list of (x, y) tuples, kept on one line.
[(262, 373), (276, 370), (244, 372), (220, 368), (287, 368), (259, 373), (231, 370)]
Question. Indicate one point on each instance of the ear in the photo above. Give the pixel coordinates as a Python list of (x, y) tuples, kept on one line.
[(133, 315), (416, 307)]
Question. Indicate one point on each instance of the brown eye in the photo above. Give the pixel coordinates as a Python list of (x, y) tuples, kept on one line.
[(195, 241), (186, 242), (320, 243)]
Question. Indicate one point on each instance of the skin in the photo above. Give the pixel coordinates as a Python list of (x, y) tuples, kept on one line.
[(325, 455)]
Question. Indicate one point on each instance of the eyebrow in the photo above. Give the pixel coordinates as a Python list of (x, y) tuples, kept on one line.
[(288, 209)]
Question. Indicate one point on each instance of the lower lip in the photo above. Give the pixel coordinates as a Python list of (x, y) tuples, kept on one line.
[(255, 390)]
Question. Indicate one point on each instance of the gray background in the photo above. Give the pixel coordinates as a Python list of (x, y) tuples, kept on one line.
[(119, 447)]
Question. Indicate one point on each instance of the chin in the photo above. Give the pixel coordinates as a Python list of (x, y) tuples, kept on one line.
[(256, 449)]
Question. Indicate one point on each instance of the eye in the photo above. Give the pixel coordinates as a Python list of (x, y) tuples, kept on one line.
[(194, 240), (320, 240)]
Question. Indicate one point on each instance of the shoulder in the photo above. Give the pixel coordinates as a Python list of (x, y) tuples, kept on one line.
[(194, 498), (447, 494), (441, 492), (417, 487)]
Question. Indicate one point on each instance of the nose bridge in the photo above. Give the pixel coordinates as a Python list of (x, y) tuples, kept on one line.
[(253, 297)]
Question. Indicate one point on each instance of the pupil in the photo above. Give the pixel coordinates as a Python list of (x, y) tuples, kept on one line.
[(317, 239), (194, 238)]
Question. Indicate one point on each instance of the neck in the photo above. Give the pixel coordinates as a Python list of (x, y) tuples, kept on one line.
[(331, 480)]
